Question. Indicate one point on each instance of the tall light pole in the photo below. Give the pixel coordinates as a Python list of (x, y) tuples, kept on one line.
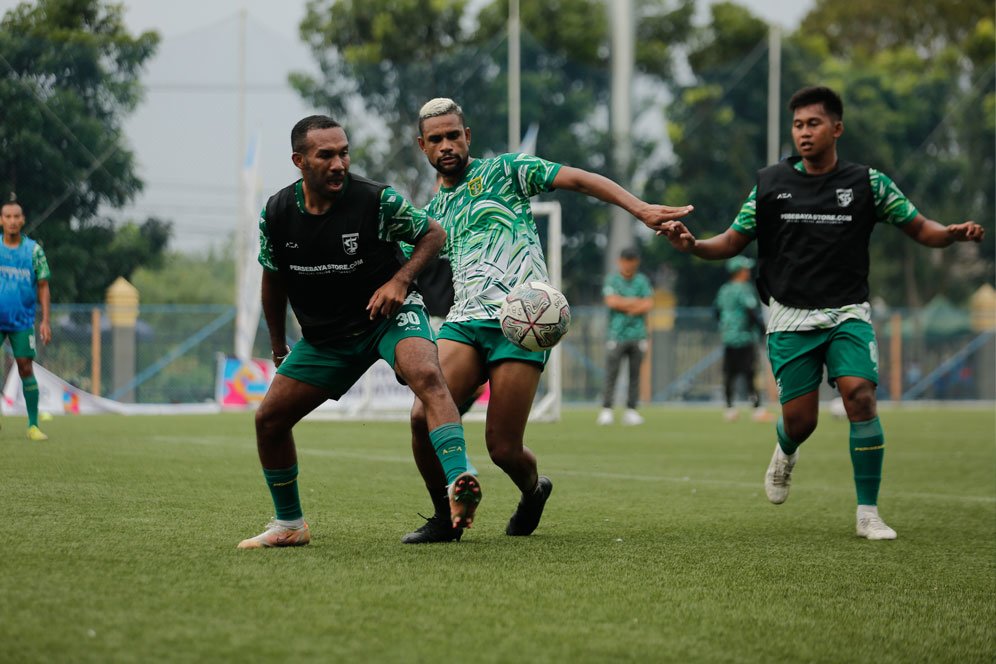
[(514, 84), (774, 89), (621, 119)]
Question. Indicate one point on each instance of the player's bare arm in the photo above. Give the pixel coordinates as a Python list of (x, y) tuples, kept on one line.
[(44, 298), (274, 297), (931, 233), (727, 244), (387, 300), (604, 189)]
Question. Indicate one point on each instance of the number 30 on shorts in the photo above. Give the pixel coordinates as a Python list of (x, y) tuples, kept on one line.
[(408, 318)]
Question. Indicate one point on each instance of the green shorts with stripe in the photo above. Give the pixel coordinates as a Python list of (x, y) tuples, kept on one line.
[(486, 336), (337, 366), (22, 342), (797, 358)]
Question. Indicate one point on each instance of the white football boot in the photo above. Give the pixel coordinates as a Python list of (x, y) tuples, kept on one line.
[(870, 524), (779, 475)]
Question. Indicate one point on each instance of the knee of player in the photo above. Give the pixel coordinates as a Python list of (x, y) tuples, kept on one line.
[(860, 403), (267, 422), (800, 426)]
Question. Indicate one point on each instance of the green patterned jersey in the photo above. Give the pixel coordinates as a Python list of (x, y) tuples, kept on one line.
[(491, 236), (891, 207), (735, 301), (622, 326)]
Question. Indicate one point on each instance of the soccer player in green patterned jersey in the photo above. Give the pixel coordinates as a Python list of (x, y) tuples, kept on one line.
[(493, 245), (812, 216)]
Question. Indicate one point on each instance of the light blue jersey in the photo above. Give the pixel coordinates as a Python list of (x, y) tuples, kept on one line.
[(21, 268)]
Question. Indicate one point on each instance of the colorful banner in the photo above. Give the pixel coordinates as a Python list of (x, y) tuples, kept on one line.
[(243, 384)]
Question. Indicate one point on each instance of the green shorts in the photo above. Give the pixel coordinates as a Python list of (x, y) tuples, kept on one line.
[(486, 336), (797, 358), (22, 342), (337, 366)]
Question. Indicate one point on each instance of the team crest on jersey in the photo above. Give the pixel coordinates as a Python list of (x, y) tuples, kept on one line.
[(351, 242), (475, 186), (845, 197)]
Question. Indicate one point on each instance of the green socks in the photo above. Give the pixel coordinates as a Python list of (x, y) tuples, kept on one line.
[(283, 488), (30, 386), (451, 449), (788, 445), (867, 452)]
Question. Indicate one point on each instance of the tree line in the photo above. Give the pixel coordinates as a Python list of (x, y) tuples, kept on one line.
[(917, 79)]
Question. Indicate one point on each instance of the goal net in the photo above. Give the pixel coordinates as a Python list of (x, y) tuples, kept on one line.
[(379, 396)]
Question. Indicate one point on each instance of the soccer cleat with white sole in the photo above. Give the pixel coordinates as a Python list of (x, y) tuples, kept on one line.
[(870, 526), (779, 476), (604, 417), (632, 418), (276, 535), (465, 495), (34, 433), (731, 415)]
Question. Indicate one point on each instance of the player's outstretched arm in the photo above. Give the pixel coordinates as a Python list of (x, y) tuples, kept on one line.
[(931, 233), (604, 189), (387, 300), (727, 244)]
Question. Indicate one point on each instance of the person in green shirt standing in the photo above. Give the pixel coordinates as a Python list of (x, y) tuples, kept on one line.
[(629, 297), (740, 328)]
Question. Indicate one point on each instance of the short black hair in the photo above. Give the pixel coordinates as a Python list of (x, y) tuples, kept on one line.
[(299, 134), (13, 201), (818, 94), (629, 254)]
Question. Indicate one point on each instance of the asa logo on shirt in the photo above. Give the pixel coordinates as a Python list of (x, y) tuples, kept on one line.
[(351, 242), (845, 197), (475, 186)]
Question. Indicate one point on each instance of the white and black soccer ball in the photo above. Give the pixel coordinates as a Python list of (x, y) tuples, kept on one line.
[(535, 316)]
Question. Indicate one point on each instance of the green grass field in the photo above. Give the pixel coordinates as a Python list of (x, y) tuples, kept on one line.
[(657, 545)]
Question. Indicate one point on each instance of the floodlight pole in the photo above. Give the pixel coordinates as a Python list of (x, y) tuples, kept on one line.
[(514, 71), (240, 232), (774, 89), (621, 119)]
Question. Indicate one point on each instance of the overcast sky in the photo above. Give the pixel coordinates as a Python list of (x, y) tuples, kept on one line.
[(184, 134)]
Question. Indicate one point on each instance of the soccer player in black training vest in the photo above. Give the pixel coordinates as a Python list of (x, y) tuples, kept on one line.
[(329, 245), (812, 216)]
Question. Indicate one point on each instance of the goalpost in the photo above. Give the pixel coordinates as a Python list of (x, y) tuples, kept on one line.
[(379, 396)]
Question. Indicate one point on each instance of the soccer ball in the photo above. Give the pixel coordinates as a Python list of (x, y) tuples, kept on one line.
[(535, 316)]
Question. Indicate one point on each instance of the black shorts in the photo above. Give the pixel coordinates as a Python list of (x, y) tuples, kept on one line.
[(739, 360)]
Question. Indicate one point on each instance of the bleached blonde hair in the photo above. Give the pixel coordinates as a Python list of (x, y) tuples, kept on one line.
[(437, 107)]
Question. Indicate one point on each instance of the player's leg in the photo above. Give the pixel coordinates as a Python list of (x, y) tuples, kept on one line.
[(22, 345), (753, 393), (416, 362), (463, 371), (286, 402), (852, 362), (306, 378), (613, 359), (634, 358), (513, 388), (797, 360), (729, 383)]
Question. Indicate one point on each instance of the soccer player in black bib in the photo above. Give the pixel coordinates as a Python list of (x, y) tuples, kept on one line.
[(329, 246), (812, 216)]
